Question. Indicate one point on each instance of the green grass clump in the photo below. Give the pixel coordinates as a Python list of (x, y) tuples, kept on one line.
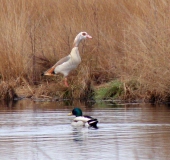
[(111, 90)]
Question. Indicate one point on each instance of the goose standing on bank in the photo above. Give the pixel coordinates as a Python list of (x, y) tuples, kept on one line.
[(70, 62)]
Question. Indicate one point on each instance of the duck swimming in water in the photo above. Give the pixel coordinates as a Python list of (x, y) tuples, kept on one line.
[(81, 120)]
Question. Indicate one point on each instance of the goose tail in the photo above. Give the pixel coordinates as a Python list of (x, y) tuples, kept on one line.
[(49, 72)]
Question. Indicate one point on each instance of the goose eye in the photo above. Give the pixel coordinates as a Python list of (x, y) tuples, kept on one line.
[(83, 34)]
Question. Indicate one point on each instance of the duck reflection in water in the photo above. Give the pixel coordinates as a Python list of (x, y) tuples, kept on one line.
[(80, 134)]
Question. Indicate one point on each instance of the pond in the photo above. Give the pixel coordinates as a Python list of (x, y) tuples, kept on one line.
[(42, 130)]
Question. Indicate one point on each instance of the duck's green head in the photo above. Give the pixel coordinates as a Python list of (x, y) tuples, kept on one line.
[(76, 111)]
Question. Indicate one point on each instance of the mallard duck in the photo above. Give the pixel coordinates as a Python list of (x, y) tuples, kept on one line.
[(81, 120), (70, 62)]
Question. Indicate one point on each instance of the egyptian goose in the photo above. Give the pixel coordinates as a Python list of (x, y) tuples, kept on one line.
[(70, 62)]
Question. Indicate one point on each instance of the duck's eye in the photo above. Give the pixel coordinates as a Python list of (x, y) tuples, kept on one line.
[(83, 33)]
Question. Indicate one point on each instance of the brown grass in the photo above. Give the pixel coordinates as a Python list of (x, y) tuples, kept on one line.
[(130, 43)]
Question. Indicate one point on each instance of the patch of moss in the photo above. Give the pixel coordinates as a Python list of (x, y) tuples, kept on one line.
[(112, 90)]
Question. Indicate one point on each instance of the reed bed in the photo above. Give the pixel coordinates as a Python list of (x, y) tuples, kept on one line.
[(130, 44)]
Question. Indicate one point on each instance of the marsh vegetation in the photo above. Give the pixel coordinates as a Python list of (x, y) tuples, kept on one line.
[(130, 46)]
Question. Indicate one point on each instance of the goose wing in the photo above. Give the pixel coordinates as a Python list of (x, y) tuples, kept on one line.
[(61, 61)]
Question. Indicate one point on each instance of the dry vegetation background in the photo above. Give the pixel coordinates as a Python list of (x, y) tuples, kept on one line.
[(130, 43)]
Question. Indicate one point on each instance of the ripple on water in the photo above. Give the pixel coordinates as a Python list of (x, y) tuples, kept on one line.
[(124, 133)]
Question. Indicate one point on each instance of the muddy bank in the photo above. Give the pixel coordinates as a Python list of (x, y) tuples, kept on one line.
[(112, 92)]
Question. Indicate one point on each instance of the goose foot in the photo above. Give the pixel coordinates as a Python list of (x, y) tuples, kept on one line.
[(65, 82)]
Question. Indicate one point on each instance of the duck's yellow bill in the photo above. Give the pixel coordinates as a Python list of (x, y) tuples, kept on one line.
[(70, 114)]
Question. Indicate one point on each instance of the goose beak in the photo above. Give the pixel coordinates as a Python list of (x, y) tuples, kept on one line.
[(88, 36), (70, 114)]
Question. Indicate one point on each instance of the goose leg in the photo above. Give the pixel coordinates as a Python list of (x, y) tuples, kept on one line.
[(65, 82)]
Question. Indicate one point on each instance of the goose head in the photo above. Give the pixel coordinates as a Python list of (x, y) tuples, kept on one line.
[(80, 37)]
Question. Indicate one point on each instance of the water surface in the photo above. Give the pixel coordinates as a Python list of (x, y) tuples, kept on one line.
[(41, 131)]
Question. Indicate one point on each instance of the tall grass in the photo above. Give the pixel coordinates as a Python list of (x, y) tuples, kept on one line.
[(130, 43)]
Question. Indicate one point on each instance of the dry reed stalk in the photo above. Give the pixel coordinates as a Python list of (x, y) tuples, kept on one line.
[(130, 42)]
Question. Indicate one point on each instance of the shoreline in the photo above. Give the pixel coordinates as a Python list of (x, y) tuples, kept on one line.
[(114, 91)]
